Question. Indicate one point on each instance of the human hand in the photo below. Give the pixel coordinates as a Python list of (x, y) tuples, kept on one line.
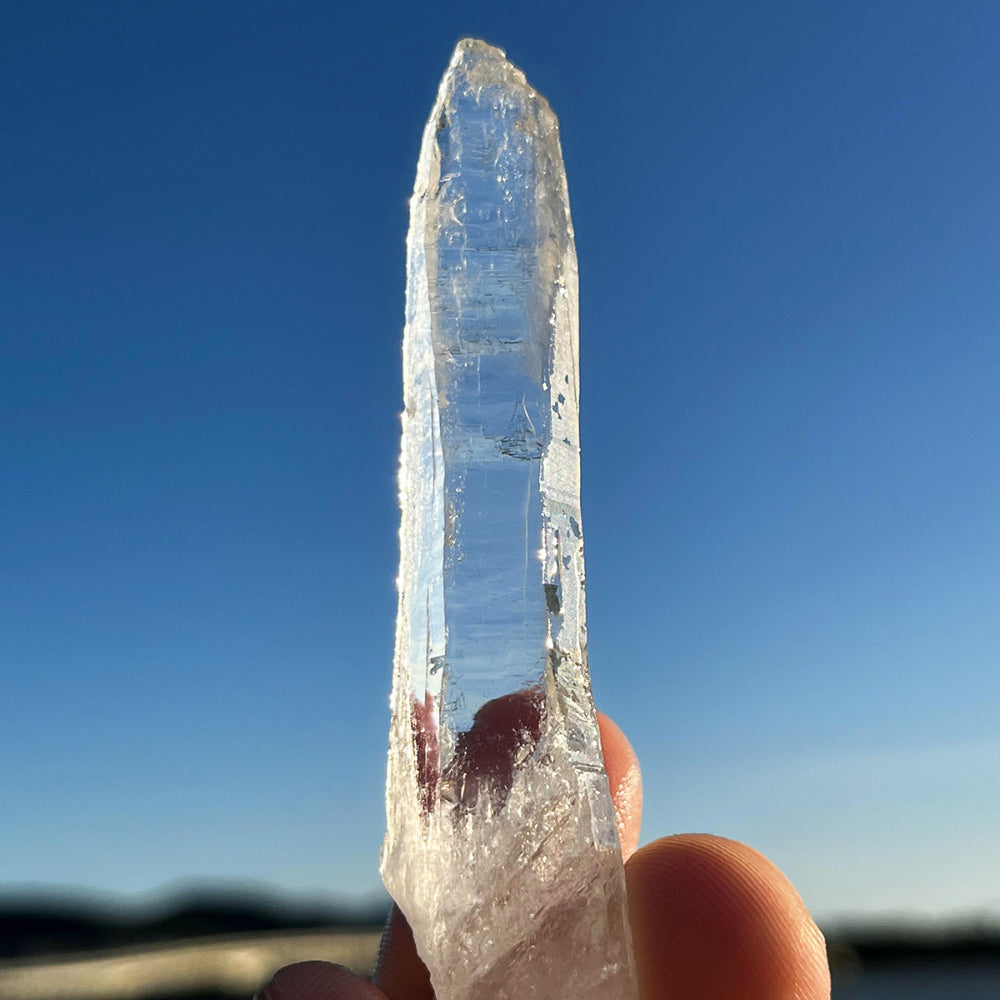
[(711, 920)]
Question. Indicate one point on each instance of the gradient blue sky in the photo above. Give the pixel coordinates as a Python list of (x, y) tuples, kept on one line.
[(788, 221)]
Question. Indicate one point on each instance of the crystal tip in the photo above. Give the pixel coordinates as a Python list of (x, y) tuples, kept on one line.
[(476, 63), (477, 50), (478, 60)]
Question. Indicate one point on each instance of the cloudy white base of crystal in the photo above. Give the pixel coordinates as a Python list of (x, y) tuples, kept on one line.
[(501, 848), (517, 904)]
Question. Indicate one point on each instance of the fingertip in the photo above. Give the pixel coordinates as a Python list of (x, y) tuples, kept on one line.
[(399, 973), (625, 779), (712, 919), (318, 981)]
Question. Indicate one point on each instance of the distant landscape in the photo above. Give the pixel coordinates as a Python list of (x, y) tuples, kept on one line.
[(54, 925), (214, 944), (181, 945)]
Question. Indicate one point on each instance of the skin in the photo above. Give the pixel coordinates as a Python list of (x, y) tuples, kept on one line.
[(712, 919)]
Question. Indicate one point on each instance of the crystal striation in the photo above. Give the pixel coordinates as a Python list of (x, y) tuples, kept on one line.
[(502, 848)]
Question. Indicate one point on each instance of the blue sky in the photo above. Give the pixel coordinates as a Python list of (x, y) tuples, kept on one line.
[(788, 222)]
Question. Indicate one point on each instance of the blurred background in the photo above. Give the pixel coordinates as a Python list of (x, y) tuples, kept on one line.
[(788, 225)]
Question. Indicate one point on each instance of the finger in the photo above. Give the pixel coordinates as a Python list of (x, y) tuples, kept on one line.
[(625, 780), (318, 981), (713, 919), (400, 974), (486, 757)]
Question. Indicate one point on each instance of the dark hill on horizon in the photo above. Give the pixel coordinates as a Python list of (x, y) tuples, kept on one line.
[(49, 925)]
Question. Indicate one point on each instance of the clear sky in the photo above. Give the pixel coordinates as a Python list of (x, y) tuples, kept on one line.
[(788, 222)]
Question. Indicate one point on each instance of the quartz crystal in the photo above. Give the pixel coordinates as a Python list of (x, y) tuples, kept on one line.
[(502, 848)]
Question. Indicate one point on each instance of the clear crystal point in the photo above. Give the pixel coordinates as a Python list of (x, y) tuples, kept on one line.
[(502, 848)]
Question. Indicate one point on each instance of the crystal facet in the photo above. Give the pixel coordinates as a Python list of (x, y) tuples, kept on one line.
[(502, 848)]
